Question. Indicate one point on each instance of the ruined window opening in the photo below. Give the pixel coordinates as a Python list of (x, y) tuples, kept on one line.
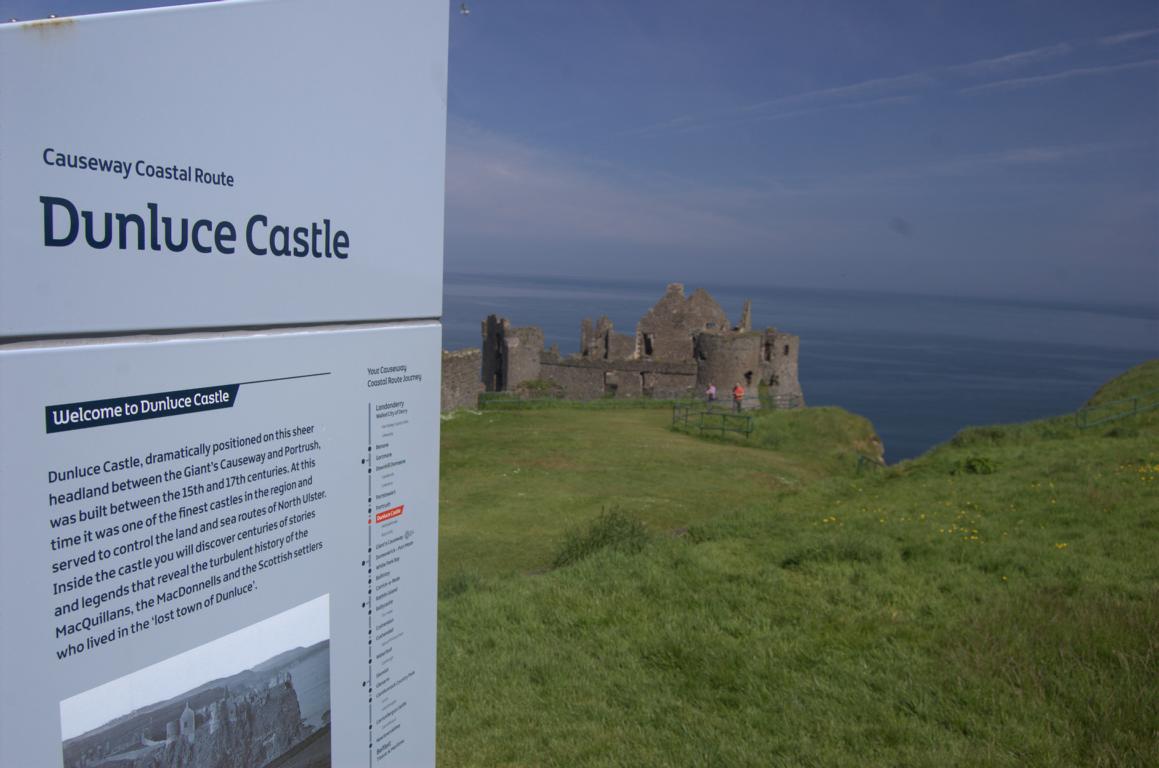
[(748, 379), (786, 350), (768, 351), (609, 384), (500, 383), (648, 339)]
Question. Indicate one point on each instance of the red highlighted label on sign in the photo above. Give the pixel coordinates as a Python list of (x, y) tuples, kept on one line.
[(388, 514)]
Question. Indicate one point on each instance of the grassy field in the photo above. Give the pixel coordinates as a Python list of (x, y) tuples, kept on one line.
[(995, 602), (513, 482)]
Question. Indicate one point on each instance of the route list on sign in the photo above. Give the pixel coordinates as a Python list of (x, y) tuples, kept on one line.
[(390, 544), (160, 522)]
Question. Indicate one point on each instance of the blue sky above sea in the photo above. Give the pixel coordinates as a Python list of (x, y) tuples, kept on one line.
[(993, 148), (1000, 149)]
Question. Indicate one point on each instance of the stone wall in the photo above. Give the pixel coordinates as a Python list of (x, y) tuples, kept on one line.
[(600, 341), (670, 386), (579, 382), (623, 384), (461, 379), (665, 333), (583, 379), (620, 346)]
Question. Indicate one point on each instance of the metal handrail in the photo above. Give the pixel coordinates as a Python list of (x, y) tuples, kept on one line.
[(502, 401), (1119, 409), (701, 416)]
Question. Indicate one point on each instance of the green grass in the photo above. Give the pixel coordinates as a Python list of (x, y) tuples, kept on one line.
[(826, 438), (514, 482), (784, 611)]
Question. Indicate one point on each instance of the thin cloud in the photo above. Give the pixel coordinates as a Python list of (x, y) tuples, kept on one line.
[(900, 89), (918, 80), (1016, 157), (1127, 37), (876, 86), (971, 165), (690, 125), (681, 121), (1017, 59), (884, 101), (1027, 82)]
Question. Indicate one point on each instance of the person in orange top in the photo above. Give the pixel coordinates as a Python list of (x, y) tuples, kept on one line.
[(737, 396)]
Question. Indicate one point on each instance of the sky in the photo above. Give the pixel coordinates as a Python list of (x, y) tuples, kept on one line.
[(299, 627), (1002, 148)]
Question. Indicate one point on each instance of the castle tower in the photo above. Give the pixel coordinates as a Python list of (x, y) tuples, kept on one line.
[(510, 355), (725, 359), (188, 724), (746, 317), (214, 717), (779, 355), (170, 731)]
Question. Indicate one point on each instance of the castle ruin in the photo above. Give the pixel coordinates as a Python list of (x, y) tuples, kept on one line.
[(246, 726), (681, 345)]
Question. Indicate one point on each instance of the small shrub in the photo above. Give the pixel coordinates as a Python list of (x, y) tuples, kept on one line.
[(613, 529), (975, 465), (976, 435), (699, 534)]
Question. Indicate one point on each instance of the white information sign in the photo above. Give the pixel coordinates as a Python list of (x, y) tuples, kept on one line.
[(218, 547), (210, 166), (220, 551)]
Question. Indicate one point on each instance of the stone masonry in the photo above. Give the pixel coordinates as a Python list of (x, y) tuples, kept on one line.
[(461, 381), (666, 331)]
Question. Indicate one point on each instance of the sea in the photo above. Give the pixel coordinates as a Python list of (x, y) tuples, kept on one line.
[(311, 675), (919, 367)]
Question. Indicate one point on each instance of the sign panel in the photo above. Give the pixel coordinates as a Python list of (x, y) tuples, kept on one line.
[(220, 551), (208, 166)]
